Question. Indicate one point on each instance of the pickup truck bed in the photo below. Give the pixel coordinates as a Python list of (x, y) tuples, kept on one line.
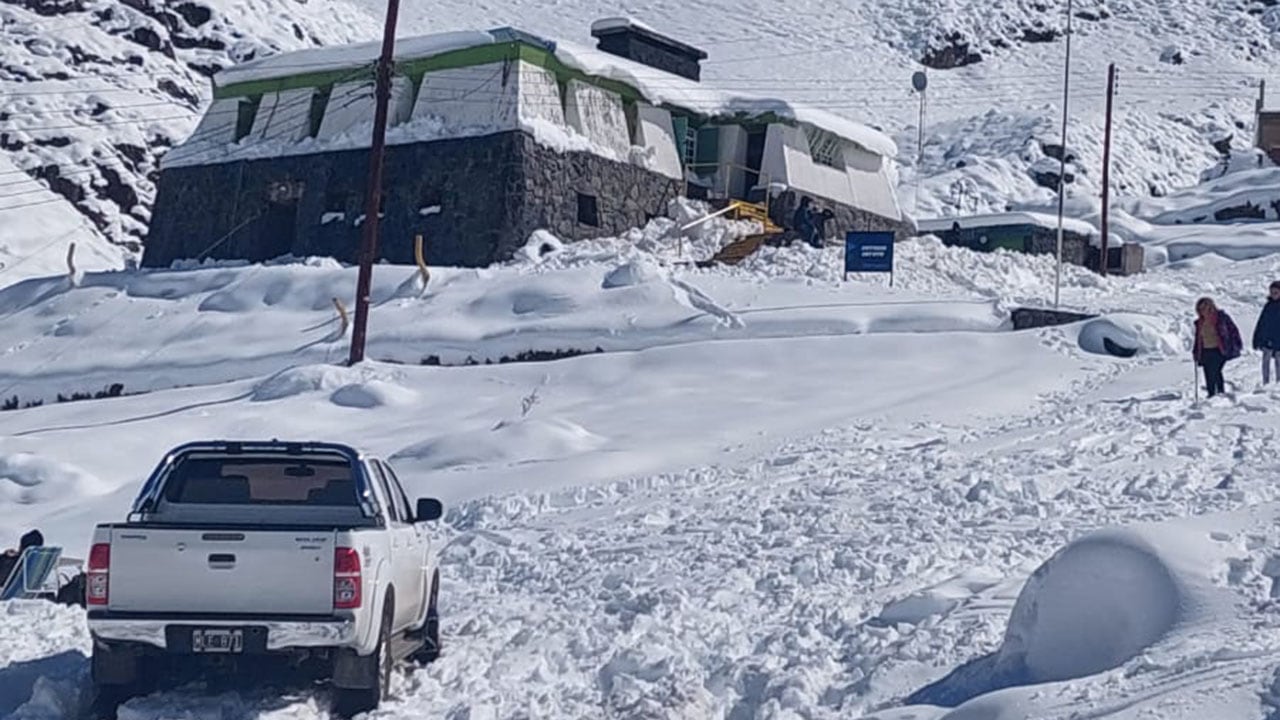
[(234, 551)]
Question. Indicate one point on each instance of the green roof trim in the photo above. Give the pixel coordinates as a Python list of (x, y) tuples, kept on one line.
[(481, 55)]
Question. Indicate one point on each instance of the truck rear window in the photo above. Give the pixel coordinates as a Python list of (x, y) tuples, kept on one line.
[(261, 481)]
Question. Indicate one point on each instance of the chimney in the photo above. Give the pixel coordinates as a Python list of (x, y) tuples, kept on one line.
[(629, 39)]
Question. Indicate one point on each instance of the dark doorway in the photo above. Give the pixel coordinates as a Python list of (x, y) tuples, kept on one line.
[(755, 158), (279, 228)]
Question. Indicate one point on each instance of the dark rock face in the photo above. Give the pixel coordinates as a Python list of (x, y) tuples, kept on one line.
[(949, 52), (491, 192), (1046, 176)]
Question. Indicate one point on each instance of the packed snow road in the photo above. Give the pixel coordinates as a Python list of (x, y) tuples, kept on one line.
[(827, 579)]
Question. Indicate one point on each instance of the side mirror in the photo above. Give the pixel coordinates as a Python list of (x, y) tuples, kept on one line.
[(428, 509)]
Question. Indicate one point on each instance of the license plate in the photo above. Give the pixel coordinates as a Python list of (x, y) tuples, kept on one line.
[(217, 641)]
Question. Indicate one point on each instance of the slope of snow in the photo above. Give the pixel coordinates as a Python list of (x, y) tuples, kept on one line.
[(36, 233), (788, 519)]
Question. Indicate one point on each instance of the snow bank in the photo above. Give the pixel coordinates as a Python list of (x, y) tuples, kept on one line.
[(635, 272), (373, 394), (1126, 334), (365, 383), (1095, 605), (27, 479), (520, 441)]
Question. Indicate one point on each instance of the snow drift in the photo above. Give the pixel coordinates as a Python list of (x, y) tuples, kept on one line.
[(1095, 605), (1127, 334)]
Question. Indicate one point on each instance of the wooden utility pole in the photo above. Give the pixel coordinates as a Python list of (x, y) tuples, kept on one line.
[(1106, 168), (373, 189)]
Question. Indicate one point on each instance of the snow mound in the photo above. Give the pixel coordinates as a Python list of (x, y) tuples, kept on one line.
[(636, 272), (318, 378), (1125, 335), (541, 244), (1099, 602), (525, 440), (27, 479), (373, 394)]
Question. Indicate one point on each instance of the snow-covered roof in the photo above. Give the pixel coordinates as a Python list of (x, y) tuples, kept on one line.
[(937, 225), (341, 57), (660, 88)]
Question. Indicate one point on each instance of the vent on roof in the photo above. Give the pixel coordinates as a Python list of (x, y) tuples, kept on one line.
[(631, 40)]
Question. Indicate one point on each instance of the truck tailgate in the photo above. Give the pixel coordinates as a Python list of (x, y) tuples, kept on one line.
[(222, 571)]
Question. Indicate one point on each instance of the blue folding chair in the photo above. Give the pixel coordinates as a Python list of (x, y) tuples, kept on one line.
[(30, 577)]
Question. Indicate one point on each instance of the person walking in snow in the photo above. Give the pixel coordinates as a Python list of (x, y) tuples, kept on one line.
[(1217, 343), (803, 222), (1266, 335)]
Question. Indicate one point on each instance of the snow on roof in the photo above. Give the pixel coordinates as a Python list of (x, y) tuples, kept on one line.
[(937, 225), (664, 88), (620, 23), (658, 87), (340, 57)]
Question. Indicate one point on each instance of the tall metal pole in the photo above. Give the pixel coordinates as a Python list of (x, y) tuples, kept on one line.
[(1106, 167), (1062, 172), (373, 189), (920, 152)]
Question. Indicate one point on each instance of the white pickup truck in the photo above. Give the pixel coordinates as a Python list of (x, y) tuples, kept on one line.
[(242, 553)]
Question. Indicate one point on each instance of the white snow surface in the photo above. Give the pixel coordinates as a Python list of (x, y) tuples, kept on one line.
[(772, 494)]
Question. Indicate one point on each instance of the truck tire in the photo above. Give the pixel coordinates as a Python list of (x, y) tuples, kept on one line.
[(116, 678), (430, 650), (349, 702)]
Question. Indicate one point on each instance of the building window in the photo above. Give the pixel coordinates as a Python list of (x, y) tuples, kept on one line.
[(335, 206), (319, 103), (825, 148), (246, 111), (588, 210), (690, 146), (430, 201)]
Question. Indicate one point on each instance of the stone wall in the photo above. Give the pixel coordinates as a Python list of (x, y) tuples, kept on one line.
[(1028, 318), (492, 193), (1075, 248), (783, 205), (626, 196)]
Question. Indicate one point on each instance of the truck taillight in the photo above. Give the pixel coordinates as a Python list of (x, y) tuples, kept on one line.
[(346, 579), (98, 578)]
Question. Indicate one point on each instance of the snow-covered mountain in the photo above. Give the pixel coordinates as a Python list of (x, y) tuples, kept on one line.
[(92, 92)]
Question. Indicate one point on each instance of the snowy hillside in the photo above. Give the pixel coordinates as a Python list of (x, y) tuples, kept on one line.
[(91, 93)]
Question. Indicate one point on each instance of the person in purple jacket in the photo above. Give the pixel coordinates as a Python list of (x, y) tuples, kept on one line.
[(1217, 342)]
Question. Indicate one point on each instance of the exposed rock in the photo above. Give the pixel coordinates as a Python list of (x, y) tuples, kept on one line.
[(949, 52)]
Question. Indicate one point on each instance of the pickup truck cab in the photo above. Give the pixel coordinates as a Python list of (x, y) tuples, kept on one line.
[(238, 553)]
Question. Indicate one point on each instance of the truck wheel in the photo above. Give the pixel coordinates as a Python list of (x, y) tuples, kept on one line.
[(430, 650), (349, 702), (107, 700), (116, 678)]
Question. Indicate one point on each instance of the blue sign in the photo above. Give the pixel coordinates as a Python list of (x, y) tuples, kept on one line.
[(868, 252)]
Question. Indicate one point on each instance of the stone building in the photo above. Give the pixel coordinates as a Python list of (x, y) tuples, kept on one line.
[(494, 135)]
